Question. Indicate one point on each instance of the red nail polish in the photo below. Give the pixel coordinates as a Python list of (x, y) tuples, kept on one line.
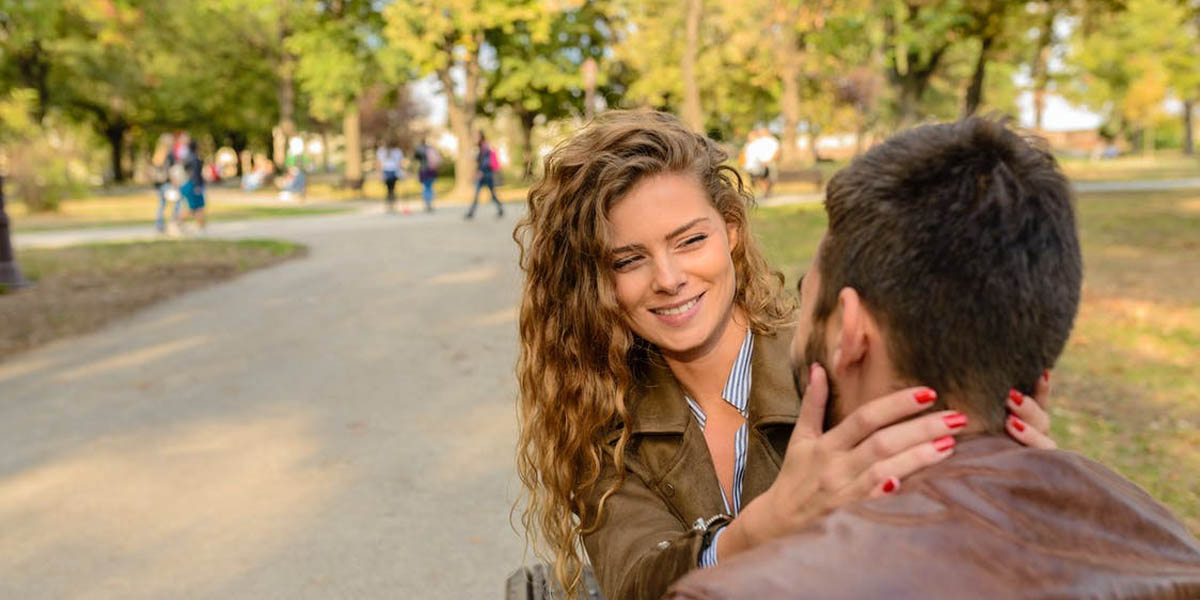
[(943, 444), (890, 485), (1017, 424), (925, 396), (1017, 397), (1046, 376), (955, 421)]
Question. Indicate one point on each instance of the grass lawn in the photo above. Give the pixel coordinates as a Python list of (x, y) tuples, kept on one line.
[(80, 288), (1127, 389), (1165, 164), (137, 206)]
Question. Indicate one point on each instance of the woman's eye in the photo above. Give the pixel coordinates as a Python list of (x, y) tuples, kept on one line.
[(625, 263), (695, 239)]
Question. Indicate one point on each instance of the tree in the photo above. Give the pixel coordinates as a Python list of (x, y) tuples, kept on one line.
[(539, 69), (917, 37), (693, 114), (444, 38), (1127, 62), (990, 22), (336, 50)]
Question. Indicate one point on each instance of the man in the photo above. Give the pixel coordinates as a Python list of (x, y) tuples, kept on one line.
[(952, 259), (761, 149)]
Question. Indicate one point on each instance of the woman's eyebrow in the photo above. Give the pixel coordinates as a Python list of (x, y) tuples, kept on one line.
[(678, 230)]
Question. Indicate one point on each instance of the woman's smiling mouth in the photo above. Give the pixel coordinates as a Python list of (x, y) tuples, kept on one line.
[(679, 312)]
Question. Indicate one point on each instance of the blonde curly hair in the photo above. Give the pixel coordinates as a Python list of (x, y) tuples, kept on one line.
[(579, 360)]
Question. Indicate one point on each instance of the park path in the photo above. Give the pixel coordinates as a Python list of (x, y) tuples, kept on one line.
[(338, 426)]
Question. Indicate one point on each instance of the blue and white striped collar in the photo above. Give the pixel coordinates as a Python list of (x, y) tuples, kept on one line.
[(737, 387)]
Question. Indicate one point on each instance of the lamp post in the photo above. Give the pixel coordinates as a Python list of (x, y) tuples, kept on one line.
[(10, 275)]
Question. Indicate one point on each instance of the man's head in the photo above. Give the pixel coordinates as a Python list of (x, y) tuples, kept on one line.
[(951, 260)]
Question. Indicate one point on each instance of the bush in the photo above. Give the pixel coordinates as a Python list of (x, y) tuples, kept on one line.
[(44, 162)]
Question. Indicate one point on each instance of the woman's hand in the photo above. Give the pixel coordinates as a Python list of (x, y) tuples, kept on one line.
[(1028, 422), (864, 455)]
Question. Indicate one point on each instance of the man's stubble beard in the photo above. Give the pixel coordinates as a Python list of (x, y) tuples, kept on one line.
[(815, 351)]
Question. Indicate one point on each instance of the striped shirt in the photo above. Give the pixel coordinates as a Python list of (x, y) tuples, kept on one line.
[(737, 394)]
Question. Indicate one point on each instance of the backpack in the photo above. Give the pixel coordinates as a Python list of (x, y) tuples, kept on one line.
[(493, 161), (433, 158)]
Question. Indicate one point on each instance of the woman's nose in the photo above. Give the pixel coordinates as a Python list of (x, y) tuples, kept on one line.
[(669, 278)]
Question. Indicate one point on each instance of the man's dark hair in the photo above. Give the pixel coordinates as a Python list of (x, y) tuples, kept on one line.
[(960, 238)]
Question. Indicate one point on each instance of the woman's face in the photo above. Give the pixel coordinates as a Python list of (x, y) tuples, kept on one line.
[(672, 265)]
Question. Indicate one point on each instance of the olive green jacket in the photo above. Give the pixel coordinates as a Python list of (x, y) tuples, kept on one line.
[(654, 525)]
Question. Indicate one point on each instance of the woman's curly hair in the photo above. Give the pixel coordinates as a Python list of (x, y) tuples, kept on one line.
[(579, 360)]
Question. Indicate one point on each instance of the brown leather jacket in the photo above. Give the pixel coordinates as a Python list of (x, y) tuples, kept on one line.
[(648, 537), (996, 520)]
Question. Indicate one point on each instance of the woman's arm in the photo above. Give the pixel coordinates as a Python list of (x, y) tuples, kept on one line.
[(864, 455), (639, 547)]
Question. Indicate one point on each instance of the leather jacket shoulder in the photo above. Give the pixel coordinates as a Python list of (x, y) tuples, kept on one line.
[(996, 520)]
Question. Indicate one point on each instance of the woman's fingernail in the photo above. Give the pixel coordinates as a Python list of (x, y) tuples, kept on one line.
[(1017, 424), (812, 371), (890, 485), (1017, 397), (943, 444), (925, 396), (955, 420)]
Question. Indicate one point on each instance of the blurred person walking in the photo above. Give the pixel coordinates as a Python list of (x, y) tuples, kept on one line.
[(759, 159), (390, 158), (428, 160), (488, 164), (193, 189), (162, 161)]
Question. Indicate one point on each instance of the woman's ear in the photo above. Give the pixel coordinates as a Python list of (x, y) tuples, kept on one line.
[(734, 232)]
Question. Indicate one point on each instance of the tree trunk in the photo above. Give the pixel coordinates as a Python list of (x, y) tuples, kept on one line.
[(34, 71), (287, 101), (459, 112), (238, 143), (1041, 67), (352, 132), (693, 115), (115, 134), (788, 55), (1189, 145), (975, 90), (1148, 141), (813, 133), (527, 158)]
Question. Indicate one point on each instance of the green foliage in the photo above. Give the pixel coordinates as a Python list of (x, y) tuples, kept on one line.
[(1128, 63), (38, 168)]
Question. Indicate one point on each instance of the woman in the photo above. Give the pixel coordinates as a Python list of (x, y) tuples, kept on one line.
[(659, 416)]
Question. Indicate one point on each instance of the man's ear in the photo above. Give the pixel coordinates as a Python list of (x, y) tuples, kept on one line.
[(850, 341)]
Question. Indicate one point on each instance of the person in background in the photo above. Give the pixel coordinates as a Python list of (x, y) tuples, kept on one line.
[(488, 163), (162, 160), (760, 153), (428, 161), (193, 189), (390, 158)]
